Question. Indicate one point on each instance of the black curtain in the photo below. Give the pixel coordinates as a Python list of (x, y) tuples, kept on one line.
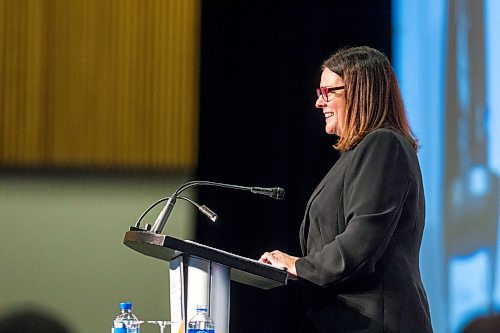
[(260, 65)]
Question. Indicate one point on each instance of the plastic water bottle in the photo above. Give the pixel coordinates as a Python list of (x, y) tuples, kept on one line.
[(201, 322), (126, 321)]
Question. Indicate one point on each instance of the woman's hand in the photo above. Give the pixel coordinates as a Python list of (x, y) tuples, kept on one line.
[(280, 259)]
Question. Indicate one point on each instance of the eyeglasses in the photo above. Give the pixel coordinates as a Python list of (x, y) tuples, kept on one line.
[(324, 91)]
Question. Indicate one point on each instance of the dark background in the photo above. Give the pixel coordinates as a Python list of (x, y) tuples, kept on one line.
[(260, 64)]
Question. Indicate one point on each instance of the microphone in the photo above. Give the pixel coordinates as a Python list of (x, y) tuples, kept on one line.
[(161, 220), (202, 208), (273, 192)]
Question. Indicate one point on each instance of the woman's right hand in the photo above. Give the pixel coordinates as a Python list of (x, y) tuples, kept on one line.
[(280, 259)]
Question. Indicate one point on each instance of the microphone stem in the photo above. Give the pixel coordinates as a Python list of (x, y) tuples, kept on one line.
[(209, 183), (161, 220)]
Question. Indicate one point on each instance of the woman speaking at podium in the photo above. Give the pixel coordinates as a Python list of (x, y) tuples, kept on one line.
[(363, 224)]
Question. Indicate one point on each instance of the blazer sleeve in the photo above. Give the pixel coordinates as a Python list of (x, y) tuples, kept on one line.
[(376, 186)]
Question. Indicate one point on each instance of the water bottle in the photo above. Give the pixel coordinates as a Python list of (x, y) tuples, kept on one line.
[(201, 322), (126, 321)]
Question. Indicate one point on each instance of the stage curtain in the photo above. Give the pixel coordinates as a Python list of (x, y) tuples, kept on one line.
[(99, 83)]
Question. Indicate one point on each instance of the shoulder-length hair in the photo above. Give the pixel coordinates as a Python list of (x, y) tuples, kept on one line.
[(372, 94)]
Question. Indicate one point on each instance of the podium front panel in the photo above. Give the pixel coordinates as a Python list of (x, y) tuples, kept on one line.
[(195, 281)]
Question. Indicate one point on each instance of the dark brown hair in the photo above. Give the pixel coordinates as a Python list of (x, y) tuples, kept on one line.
[(373, 98)]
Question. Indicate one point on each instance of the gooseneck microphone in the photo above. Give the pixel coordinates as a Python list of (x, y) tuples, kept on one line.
[(161, 220)]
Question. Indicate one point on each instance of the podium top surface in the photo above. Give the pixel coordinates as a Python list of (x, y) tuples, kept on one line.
[(244, 270)]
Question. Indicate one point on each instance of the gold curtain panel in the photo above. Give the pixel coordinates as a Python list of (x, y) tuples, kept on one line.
[(99, 83)]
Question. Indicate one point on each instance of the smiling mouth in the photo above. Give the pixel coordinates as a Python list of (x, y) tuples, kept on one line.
[(328, 115)]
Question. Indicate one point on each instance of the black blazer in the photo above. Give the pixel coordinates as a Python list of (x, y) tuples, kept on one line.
[(361, 237)]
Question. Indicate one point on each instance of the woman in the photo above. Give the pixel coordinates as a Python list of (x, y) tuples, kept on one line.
[(363, 224)]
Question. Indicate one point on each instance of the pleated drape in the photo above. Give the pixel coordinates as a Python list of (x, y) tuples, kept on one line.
[(99, 83)]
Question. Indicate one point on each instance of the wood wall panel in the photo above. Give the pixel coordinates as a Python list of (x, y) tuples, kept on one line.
[(99, 83)]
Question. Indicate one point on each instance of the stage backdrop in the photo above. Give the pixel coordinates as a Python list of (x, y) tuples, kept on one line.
[(260, 66)]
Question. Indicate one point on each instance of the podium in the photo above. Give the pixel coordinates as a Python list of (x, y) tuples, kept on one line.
[(201, 275)]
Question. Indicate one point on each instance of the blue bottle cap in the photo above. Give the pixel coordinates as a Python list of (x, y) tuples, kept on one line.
[(201, 308), (125, 306)]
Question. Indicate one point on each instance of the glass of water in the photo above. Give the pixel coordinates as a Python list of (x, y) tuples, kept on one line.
[(161, 323)]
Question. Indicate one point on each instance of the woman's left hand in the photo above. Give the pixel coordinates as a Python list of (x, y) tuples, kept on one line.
[(280, 259)]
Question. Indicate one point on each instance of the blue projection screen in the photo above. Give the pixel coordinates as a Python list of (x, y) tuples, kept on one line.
[(444, 54)]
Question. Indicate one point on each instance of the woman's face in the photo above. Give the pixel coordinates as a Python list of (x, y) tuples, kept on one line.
[(334, 109)]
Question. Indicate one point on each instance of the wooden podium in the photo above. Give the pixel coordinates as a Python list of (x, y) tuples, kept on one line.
[(201, 275)]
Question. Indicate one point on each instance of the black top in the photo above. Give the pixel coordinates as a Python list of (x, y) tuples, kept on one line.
[(361, 237)]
